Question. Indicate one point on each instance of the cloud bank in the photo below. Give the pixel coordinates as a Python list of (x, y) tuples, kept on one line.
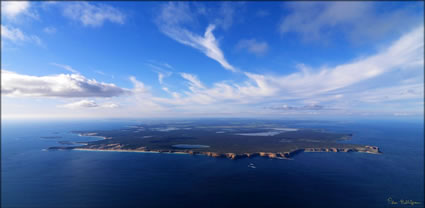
[(61, 85)]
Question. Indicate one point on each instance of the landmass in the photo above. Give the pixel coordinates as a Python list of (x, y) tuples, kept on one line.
[(231, 140)]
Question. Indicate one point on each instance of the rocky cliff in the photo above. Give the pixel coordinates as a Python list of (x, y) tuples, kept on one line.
[(233, 156)]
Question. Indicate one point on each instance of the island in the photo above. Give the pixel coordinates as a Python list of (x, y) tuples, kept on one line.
[(220, 139)]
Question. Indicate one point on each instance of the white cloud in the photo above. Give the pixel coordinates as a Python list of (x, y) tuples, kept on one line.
[(88, 104), (66, 67), (253, 46), (15, 35), (13, 9), (209, 46), (93, 15), (61, 85), (81, 104), (170, 22)]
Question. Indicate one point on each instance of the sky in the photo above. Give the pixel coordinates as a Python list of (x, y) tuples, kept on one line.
[(211, 59)]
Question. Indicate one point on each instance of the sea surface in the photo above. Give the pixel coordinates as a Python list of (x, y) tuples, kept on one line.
[(31, 177)]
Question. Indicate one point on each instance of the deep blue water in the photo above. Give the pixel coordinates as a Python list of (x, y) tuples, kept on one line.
[(35, 178)]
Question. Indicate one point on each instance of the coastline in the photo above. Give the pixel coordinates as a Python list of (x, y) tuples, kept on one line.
[(125, 150), (233, 156)]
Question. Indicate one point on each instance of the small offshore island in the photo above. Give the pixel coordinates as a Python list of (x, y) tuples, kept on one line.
[(233, 140)]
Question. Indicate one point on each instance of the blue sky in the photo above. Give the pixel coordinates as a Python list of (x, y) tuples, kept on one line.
[(212, 59)]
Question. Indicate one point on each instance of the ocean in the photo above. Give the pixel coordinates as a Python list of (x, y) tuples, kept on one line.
[(31, 177)]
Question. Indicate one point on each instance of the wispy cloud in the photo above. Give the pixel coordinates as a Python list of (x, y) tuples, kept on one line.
[(61, 85), (170, 22), (66, 67), (15, 35), (309, 84), (93, 15), (253, 46), (159, 65), (194, 82), (406, 52)]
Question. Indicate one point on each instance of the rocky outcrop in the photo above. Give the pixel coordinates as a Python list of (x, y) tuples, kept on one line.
[(371, 149), (212, 154), (366, 149), (232, 156)]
